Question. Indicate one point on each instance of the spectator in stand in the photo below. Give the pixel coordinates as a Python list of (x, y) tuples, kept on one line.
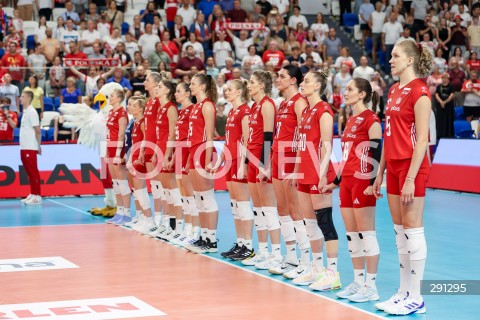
[(319, 28), (310, 52), (262, 36), (57, 76), (158, 27), (45, 8), (61, 133), (197, 46), (342, 78), (458, 54), (121, 80), (124, 58), (290, 44), (170, 48), (164, 70), (241, 44), (30, 139), (8, 121), (265, 6), (187, 12), (366, 10), (428, 43), (299, 32), (75, 54), (149, 13), (296, 59), (37, 65), (39, 32), (474, 35), (170, 12), (206, 7), (201, 29), (345, 114), (114, 16), (15, 63), (273, 55), (459, 35), (179, 32), (90, 80), (309, 65), (220, 119), (220, 82), (406, 35), (210, 68), (37, 101), (472, 63), (445, 115), (434, 80), (184, 66), (110, 41), (375, 22), (390, 33), (296, 18), (419, 11), (457, 77), (148, 41), (96, 54), (137, 81), (471, 90), (13, 36), (363, 71), (17, 22), (131, 45), (218, 23), (237, 14), (345, 58), (137, 27), (331, 45), (279, 30), (221, 50), (69, 35), (378, 85), (255, 61), (157, 56), (246, 71), (467, 18), (59, 30), (282, 6), (92, 14), (440, 61), (311, 39), (255, 15), (228, 69), (10, 91), (25, 9), (70, 13), (71, 94), (89, 38), (3, 22)]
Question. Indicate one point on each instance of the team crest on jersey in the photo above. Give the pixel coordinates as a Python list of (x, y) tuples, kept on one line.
[(358, 120), (406, 91), (424, 89), (398, 101), (354, 128)]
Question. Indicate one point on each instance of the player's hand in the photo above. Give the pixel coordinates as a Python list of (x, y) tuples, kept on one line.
[(117, 160), (241, 172), (263, 175), (168, 165), (39, 151), (154, 158), (368, 191), (407, 193), (377, 186), (328, 188), (291, 179), (141, 157)]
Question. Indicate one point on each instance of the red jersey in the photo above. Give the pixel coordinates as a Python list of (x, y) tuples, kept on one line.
[(171, 9), (468, 85), (14, 64), (255, 122), (6, 131), (181, 127), (196, 125), (114, 117), (355, 136), (286, 125), (400, 132), (137, 135), (162, 126), (233, 129), (310, 142), (150, 113)]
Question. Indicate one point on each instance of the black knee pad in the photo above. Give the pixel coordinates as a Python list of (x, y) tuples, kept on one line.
[(325, 222)]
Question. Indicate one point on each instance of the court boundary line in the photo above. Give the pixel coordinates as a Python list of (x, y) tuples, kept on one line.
[(72, 208), (294, 286)]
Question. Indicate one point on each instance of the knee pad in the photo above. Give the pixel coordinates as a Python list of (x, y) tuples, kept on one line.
[(209, 201), (245, 210), (400, 239), (301, 234), (417, 246), (167, 196), (116, 187), (287, 228), (143, 198), (192, 205), (185, 206), (199, 202), (271, 217), (370, 243), (176, 197), (313, 231), (157, 190), (235, 211), (325, 222), (124, 188), (355, 245), (260, 220)]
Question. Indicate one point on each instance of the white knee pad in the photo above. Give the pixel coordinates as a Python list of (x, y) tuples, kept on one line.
[(199, 202), (313, 230), (235, 211), (185, 206), (301, 235), (143, 198), (355, 245), (124, 188), (168, 196), (245, 210), (370, 243), (157, 190), (209, 201), (417, 246), (176, 197), (116, 187), (271, 216), (260, 219), (287, 228), (192, 206), (400, 238)]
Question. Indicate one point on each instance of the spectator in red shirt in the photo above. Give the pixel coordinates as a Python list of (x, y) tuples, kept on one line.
[(457, 76), (75, 54), (473, 63), (237, 14), (273, 55), (15, 63), (184, 66), (8, 121)]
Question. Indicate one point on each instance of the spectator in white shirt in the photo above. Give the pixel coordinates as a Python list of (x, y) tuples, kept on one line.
[(282, 6), (376, 21), (309, 51), (197, 46), (241, 44), (69, 35), (89, 37), (390, 33), (296, 18), (147, 42), (363, 71), (221, 50), (254, 61), (467, 18), (188, 13), (131, 45), (111, 41)]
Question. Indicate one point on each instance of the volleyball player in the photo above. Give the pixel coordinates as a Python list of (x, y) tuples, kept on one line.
[(191, 232), (360, 143), (262, 125), (234, 154), (407, 116), (314, 172), (201, 130), (146, 224), (117, 121), (283, 163), (166, 120)]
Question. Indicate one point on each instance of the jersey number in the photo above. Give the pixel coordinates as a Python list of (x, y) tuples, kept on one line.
[(388, 126), (346, 150), (302, 141)]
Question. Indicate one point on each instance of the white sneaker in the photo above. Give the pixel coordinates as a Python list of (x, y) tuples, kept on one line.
[(311, 275), (284, 267), (156, 231), (133, 222), (272, 262), (26, 199), (34, 200), (297, 272), (330, 280), (140, 224), (365, 294), (350, 290), (257, 259), (188, 241), (398, 296), (407, 306), (167, 234), (179, 237), (147, 227)]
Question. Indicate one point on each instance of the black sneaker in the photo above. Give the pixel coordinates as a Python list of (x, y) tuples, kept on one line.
[(209, 247), (233, 250), (245, 253)]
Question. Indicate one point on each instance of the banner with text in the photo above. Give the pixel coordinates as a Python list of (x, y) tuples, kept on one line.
[(110, 62)]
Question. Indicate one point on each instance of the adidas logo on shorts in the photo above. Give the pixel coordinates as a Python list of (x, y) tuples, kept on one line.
[(356, 201), (234, 176), (314, 188)]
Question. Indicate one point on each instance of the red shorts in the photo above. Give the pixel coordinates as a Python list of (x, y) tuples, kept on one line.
[(197, 157), (231, 175), (397, 173), (307, 179), (351, 193), (308, 188), (181, 158), (139, 167), (112, 152), (282, 164), (253, 164)]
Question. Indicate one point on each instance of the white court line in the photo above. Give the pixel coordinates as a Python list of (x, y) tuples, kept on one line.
[(295, 287), (73, 208)]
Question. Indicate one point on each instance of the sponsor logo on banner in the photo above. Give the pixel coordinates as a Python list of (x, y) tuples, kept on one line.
[(35, 264), (245, 26), (107, 62), (89, 309)]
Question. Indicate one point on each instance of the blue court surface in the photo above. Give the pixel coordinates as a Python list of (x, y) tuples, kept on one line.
[(451, 226)]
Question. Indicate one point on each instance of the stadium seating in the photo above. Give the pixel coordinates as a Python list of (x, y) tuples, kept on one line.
[(30, 42), (48, 104), (16, 134), (125, 27), (29, 27), (474, 125), (459, 113), (57, 12), (463, 130), (349, 21), (140, 4)]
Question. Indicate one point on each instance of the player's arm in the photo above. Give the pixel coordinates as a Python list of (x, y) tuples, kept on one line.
[(122, 127), (172, 116), (208, 112), (326, 131), (245, 137), (422, 111), (375, 137), (268, 114)]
